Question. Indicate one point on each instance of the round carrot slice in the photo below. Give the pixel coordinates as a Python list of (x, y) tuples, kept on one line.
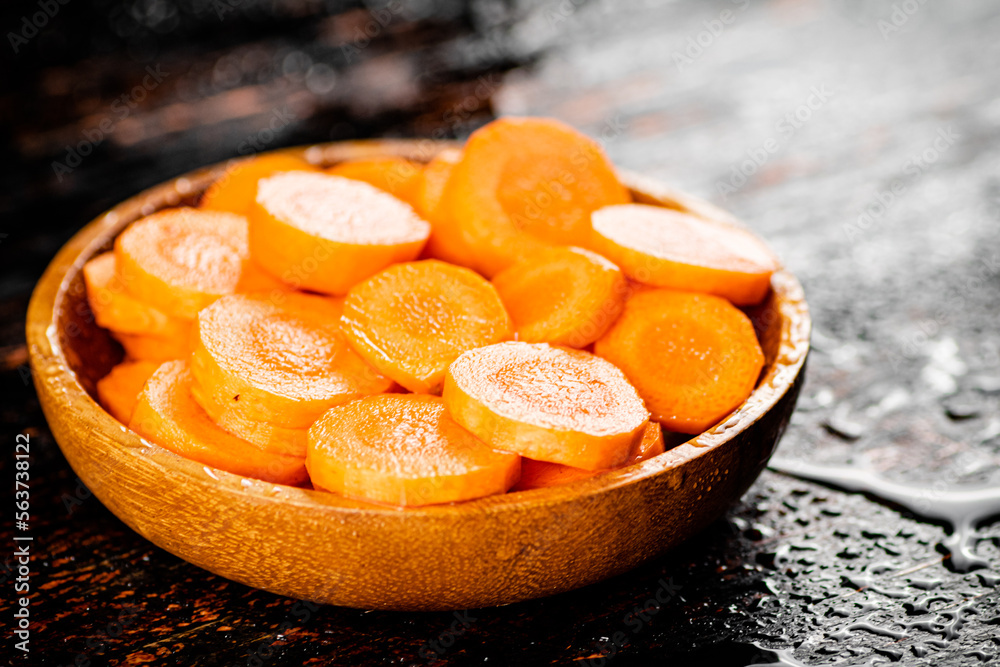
[(142, 347), (114, 308), (167, 415), (269, 437), (281, 363), (180, 260), (666, 248), (524, 183), (412, 320), (397, 176), (404, 450), (693, 357), (236, 189), (445, 242), (542, 474), (326, 233), (567, 296), (118, 391), (547, 403)]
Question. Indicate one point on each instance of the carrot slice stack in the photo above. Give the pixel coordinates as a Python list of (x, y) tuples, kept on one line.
[(236, 190), (140, 347), (114, 308), (542, 474), (397, 176), (180, 260), (281, 363), (567, 296), (412, 320), (167, 415), (266, 435), (404, 450), (119, 390), (524, 183), (547, 403), (445, 242), (666, 248), (693, 357), (326, 233)]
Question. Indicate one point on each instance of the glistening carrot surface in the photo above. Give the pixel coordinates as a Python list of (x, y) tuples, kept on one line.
[(119, 390), (182, 259), (693, 357), (445, 242), (547, 403), (524, 183), (404, 450), (140, 347), (114, 308), (278, 360), (666, 248), (236, 189), (326, 233), (567, 296), (397, 176), (542, 474), (167, 415), (412, 320)]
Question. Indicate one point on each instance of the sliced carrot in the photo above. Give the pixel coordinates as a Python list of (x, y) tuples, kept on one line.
[(404, 450), (327, 233), (666, 248), (180, 260), (542, 474), (119, 390), (693, 357), (397, 176), (524, 183), (167, 415), (236, 189), (269, 437), (114, 308), (412, 320), (567, 296), (281, 361), (547, 403), (140, 347), (445, 242)]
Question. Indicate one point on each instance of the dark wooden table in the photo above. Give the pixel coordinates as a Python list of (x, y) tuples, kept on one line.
[(861, 138)]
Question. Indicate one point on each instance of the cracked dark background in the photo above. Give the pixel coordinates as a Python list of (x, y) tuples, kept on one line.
[(876, 126)]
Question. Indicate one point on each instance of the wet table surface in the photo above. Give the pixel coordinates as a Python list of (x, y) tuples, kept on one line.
[(862, 139)]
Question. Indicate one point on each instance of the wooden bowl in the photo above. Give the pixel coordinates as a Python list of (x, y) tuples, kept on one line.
[(318, 546)]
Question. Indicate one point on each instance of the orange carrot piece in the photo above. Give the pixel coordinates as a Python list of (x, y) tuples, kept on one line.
[(236, 189), (666, 248), (525, 183), (141, 347), (445, 242), (326, 233), (542, 474), (114, 308), (118, 391), (282, 361), (567, 296), (181, 260), (269, 437), (397, 176), (167, 415), (412, 320), (404, 450), (693, 357), (547, 403)]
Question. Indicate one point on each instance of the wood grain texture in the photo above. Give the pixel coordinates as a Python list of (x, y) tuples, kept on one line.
[(320, 547)]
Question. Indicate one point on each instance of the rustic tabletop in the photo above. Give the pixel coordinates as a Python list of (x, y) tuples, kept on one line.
[(862, 139)]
